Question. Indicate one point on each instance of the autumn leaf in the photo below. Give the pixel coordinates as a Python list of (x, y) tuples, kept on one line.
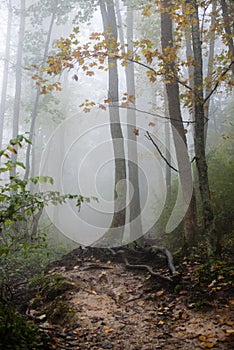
[(131, 98), (159, 293), (107, 100), (11, 149), (107, 329), (160, 322), (86, 110), (101, 106), (89, 73), (152, 124), (208, 345), (124, 104)]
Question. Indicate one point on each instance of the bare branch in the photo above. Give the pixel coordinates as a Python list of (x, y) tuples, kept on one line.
[(158, 115), (156, 146)]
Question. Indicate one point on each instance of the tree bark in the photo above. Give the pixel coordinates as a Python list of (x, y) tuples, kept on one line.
[(119, 215), (134, 206), (5, 71), (184, 166), (37, 98), (227, 27), (199, 140), (16, 110), (210, 66)]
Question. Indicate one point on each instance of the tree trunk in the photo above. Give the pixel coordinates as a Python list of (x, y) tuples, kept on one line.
[(37, 98), (134, 206), (184, 166), (227, 27), (210, 66), (199, 140), (168, 150), (116, 232), (5, 72), (16, 110), (189, 55)]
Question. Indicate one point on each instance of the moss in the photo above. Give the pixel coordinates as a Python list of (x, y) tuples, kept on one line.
[(51, 299), (60, 312), (54, 285)]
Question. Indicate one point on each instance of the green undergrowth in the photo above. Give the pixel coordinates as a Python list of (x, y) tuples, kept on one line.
[(212, 281), (17, 333), (50, 300)]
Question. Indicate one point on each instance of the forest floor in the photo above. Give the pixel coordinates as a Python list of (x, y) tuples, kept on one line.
[(95, 302)]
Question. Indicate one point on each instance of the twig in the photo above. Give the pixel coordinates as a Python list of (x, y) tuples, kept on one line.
[(218, 82), (156, 146), (157, 115)]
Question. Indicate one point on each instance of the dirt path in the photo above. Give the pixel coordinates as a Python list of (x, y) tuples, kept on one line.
[(116, 308)]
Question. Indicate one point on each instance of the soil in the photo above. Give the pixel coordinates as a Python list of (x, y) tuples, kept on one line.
[(109, 306)]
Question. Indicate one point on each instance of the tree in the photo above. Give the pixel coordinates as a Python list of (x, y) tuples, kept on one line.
[(36, 103), (134, 205), (6, 69), (228, 7), (199, 136), (170, 65), (172, 89), (119, 215), (18, 75)]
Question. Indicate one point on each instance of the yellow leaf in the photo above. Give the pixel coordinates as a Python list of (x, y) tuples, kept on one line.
[(11, 149), (202, 338), (108, 100), (181, 334), (107, 329), (131, 98), (208, 345), (160, 322)]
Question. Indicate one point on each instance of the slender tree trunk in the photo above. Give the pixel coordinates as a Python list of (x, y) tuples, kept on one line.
[(119, 215), (5, 71), (135, 208), (184, 166), (199, 141), (228, 19), (168, 150), (210, 66), (37, 98), (189, 55), (16, 110)]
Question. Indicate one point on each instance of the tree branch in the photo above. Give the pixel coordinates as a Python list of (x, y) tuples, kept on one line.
[(218, 82), (156, 146)]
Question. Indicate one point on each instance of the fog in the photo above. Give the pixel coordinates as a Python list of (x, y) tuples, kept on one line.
[(75, 147)]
